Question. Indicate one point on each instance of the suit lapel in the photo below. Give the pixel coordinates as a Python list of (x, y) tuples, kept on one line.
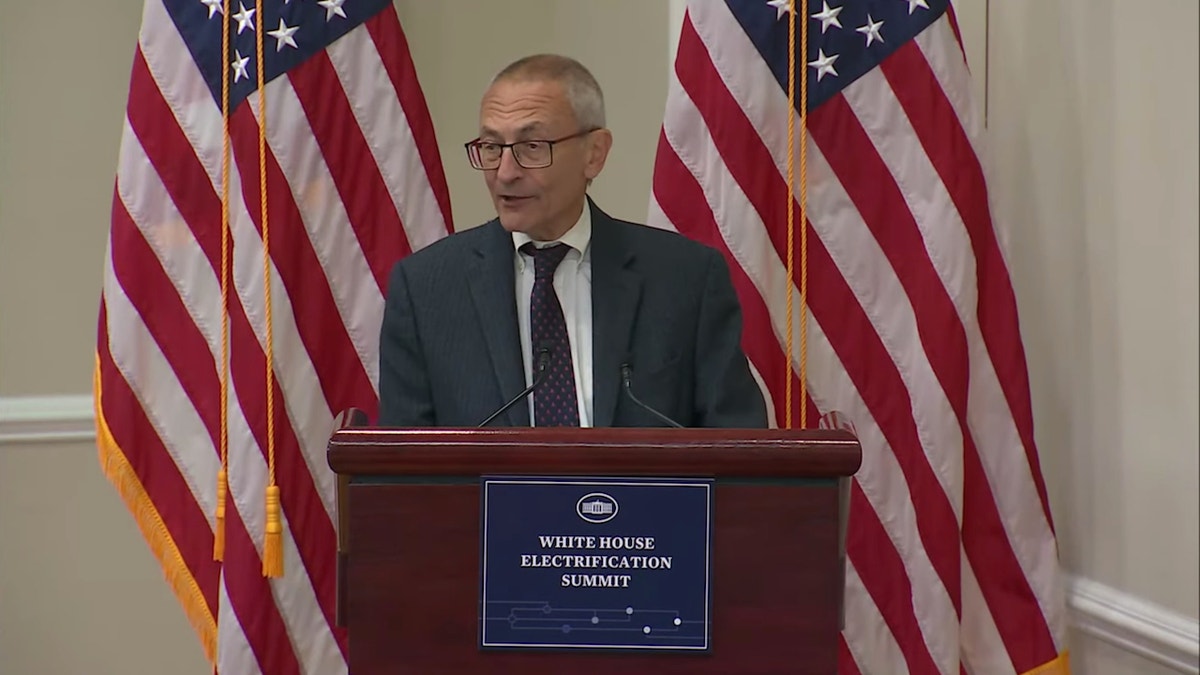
[(493, 283), (616, 290)]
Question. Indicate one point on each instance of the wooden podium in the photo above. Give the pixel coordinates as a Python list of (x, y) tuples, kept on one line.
[(409, 543)]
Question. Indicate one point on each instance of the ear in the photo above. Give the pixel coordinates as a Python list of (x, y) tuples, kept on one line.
[(599, 143)]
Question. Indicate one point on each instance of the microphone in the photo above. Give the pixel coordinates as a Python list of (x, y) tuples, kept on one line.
[(626, 378), (543, 367)]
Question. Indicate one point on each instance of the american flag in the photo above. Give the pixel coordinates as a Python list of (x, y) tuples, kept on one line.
[(353, 183), (911, 319)]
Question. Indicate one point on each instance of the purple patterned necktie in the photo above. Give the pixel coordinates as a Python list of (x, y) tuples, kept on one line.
[(554, 403)]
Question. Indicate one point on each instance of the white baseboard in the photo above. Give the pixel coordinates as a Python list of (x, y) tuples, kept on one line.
[(45, 419), (1118, 618), (1134, 625)]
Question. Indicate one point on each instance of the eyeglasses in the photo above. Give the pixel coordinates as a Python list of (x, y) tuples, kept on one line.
[(531, 154)]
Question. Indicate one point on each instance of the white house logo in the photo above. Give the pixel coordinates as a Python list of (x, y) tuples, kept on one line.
[(597, 507)]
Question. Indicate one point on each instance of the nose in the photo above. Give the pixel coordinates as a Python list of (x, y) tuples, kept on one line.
[(508, 170)]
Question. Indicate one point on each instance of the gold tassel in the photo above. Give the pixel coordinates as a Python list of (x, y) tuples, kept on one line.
[(272, 557), (272, 543), (219, 535)]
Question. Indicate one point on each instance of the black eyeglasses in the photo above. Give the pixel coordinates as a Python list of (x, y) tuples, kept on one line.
[(531, 154)]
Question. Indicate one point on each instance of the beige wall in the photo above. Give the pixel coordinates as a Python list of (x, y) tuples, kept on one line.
[(1093, 114), (1097, 176), (60, 121), (79, 591), (1093, 124)]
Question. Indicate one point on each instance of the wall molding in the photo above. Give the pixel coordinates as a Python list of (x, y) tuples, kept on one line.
[(46, 419), (1121, 619), (1134, 624)]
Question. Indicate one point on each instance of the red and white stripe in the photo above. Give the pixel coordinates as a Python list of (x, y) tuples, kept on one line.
[(912, 333), (354, 183)]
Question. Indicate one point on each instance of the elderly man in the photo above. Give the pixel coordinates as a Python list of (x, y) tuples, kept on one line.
[(609, 323)]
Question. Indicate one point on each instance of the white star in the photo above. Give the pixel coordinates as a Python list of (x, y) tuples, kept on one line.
[(781, 7), (283, 35), (827, 16), (239, 66), (245, 19), (871, 30), (214, 7), (333, 7), (914, 4), (824, 64)]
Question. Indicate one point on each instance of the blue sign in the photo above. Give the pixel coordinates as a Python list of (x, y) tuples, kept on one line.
[(596, 563)]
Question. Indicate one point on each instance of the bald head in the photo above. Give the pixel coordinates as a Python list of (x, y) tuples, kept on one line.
[(581, 88)]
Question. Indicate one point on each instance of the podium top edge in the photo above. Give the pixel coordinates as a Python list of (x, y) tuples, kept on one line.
[(750, 453)]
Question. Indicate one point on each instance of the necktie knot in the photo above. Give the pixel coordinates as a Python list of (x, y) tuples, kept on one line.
[(547, 259)]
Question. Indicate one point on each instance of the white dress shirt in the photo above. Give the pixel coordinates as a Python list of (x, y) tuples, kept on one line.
[(573, 285)]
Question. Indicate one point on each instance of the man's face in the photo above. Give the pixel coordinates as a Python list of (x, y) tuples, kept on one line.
[(543, 202)]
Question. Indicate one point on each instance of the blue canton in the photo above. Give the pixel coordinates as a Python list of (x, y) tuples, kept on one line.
[(846, 38), (294, 30)]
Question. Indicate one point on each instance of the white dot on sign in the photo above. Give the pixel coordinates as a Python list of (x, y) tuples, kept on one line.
[(678, 621), (646, 630), (595, 619), (629, 610)]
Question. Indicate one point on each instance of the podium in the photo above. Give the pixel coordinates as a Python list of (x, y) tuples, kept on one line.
[(409, 539)]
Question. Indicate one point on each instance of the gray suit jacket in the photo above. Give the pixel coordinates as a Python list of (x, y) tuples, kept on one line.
[(450, 351)]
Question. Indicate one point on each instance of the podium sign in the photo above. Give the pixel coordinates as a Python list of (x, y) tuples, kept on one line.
[(596, 563)]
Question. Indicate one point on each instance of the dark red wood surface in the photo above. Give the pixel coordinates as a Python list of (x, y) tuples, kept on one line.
[(412, 564), (755, 453)]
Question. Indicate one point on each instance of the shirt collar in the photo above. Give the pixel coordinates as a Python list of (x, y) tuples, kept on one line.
[(578, 237)]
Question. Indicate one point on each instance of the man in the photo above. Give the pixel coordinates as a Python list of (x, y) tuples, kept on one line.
[(555, 291)]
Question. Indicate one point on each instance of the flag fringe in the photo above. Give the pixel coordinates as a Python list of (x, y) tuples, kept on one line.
[(120, 473), (1059, 666)]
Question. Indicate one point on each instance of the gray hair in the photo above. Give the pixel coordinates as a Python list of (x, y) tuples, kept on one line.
[(583, 92)]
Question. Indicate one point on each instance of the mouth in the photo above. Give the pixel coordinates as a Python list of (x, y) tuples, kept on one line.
[(512, 200)]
